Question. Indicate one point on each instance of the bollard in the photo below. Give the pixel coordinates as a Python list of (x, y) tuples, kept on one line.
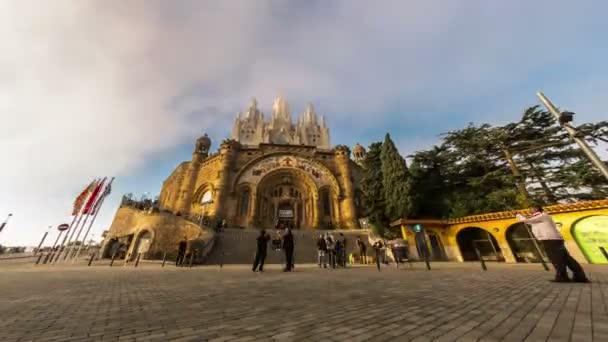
[(603, 250), (483, 263), (91, 259), (192, 258), (426, 260), (39, 257), (46, 259), (113, 257), (164, 259), (137, 260)]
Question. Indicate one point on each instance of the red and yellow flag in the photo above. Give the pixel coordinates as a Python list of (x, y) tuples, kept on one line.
[(88, 208), (82, 197)]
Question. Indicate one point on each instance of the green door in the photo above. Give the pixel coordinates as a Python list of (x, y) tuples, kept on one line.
[(591, 233)]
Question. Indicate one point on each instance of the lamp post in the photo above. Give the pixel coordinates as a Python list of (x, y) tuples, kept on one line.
[(5, 222), (564, 119)]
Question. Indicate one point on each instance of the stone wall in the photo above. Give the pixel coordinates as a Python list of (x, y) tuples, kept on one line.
[(166, 231)]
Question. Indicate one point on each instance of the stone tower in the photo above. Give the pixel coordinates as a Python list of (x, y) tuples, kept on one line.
[(250, 129)]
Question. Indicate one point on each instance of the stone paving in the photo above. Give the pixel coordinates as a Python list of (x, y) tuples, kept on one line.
[(452, 302)]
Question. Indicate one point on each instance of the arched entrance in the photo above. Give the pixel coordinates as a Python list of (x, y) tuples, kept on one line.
[(142, 244), (591, 234), (523, 244), (289, 197), (473, 237)]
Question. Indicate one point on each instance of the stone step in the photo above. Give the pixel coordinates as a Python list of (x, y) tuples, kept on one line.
[(239, 245)]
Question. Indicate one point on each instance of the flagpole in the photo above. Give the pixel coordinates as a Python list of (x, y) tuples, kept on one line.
[(71, 247), (42, 241), (5, 222), (67, 232), (90, 203), (96, 208), (76, 219), (55, 245)]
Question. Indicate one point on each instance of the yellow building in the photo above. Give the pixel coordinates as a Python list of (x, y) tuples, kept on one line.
[(500, 237)]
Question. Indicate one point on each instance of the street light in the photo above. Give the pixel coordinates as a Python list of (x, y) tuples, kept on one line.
[(564, 119), (5, 222)]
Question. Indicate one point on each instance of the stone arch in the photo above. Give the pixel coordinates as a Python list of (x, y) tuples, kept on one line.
[(470, 237), (299, 161), (523, 244), (204, 192), (272, 192), (244, 193), (141, 244), (591, 233)]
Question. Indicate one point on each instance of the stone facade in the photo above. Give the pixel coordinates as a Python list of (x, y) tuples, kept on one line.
[(248, 186), (152, 234), (269, 172)]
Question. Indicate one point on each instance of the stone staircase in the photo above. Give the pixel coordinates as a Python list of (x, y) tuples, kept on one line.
[(239, 245)]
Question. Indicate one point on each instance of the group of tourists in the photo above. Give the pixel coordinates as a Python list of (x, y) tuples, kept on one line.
[(331, 251)]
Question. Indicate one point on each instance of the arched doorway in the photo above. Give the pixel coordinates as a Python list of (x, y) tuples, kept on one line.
[(289, 197), (523, 244), (142, 244), (591, 235), (470, 238)]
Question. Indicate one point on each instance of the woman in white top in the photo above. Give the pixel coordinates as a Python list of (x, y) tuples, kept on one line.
[(546, 232)]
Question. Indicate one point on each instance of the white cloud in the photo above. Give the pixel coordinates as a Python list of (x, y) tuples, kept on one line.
[(94, 88)]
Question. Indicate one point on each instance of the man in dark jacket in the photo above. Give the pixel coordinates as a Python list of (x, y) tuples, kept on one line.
[(288, 246), (260, 254), (181, 252), (362, 250)]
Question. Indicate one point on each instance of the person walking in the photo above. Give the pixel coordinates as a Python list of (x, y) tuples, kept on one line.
[(362, 250), (545, 231), (260, 254), (181, 252), (379, 248), (288, 246), (322, 251)]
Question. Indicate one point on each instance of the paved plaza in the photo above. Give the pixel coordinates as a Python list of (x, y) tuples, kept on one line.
[(453, 302)]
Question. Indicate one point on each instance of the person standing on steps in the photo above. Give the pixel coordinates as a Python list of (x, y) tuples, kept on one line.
[(545, 231), (181, 252), (344, 254), (322, 251), (331, 249), (288, 246), (362, 250), (260, 254)]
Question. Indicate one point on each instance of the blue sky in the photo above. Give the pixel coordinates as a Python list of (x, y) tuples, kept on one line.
[(89, 89)]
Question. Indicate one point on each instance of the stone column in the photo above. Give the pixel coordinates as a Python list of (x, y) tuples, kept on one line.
[(348, 211), (252, 210), (227, 153), (186, 189)]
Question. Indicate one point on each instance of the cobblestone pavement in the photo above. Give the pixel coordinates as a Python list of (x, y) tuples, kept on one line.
[(149, 303)]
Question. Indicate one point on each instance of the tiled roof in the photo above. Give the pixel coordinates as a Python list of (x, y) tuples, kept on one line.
[(552, 209)]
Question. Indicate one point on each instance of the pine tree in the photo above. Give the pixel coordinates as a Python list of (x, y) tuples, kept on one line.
[(395, 181), (373, 191)]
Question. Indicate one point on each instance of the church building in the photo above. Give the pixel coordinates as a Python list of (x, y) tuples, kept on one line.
[(269, 171)]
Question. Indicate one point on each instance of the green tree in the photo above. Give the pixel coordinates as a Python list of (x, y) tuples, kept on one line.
[(394, 181), (373, 190)]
